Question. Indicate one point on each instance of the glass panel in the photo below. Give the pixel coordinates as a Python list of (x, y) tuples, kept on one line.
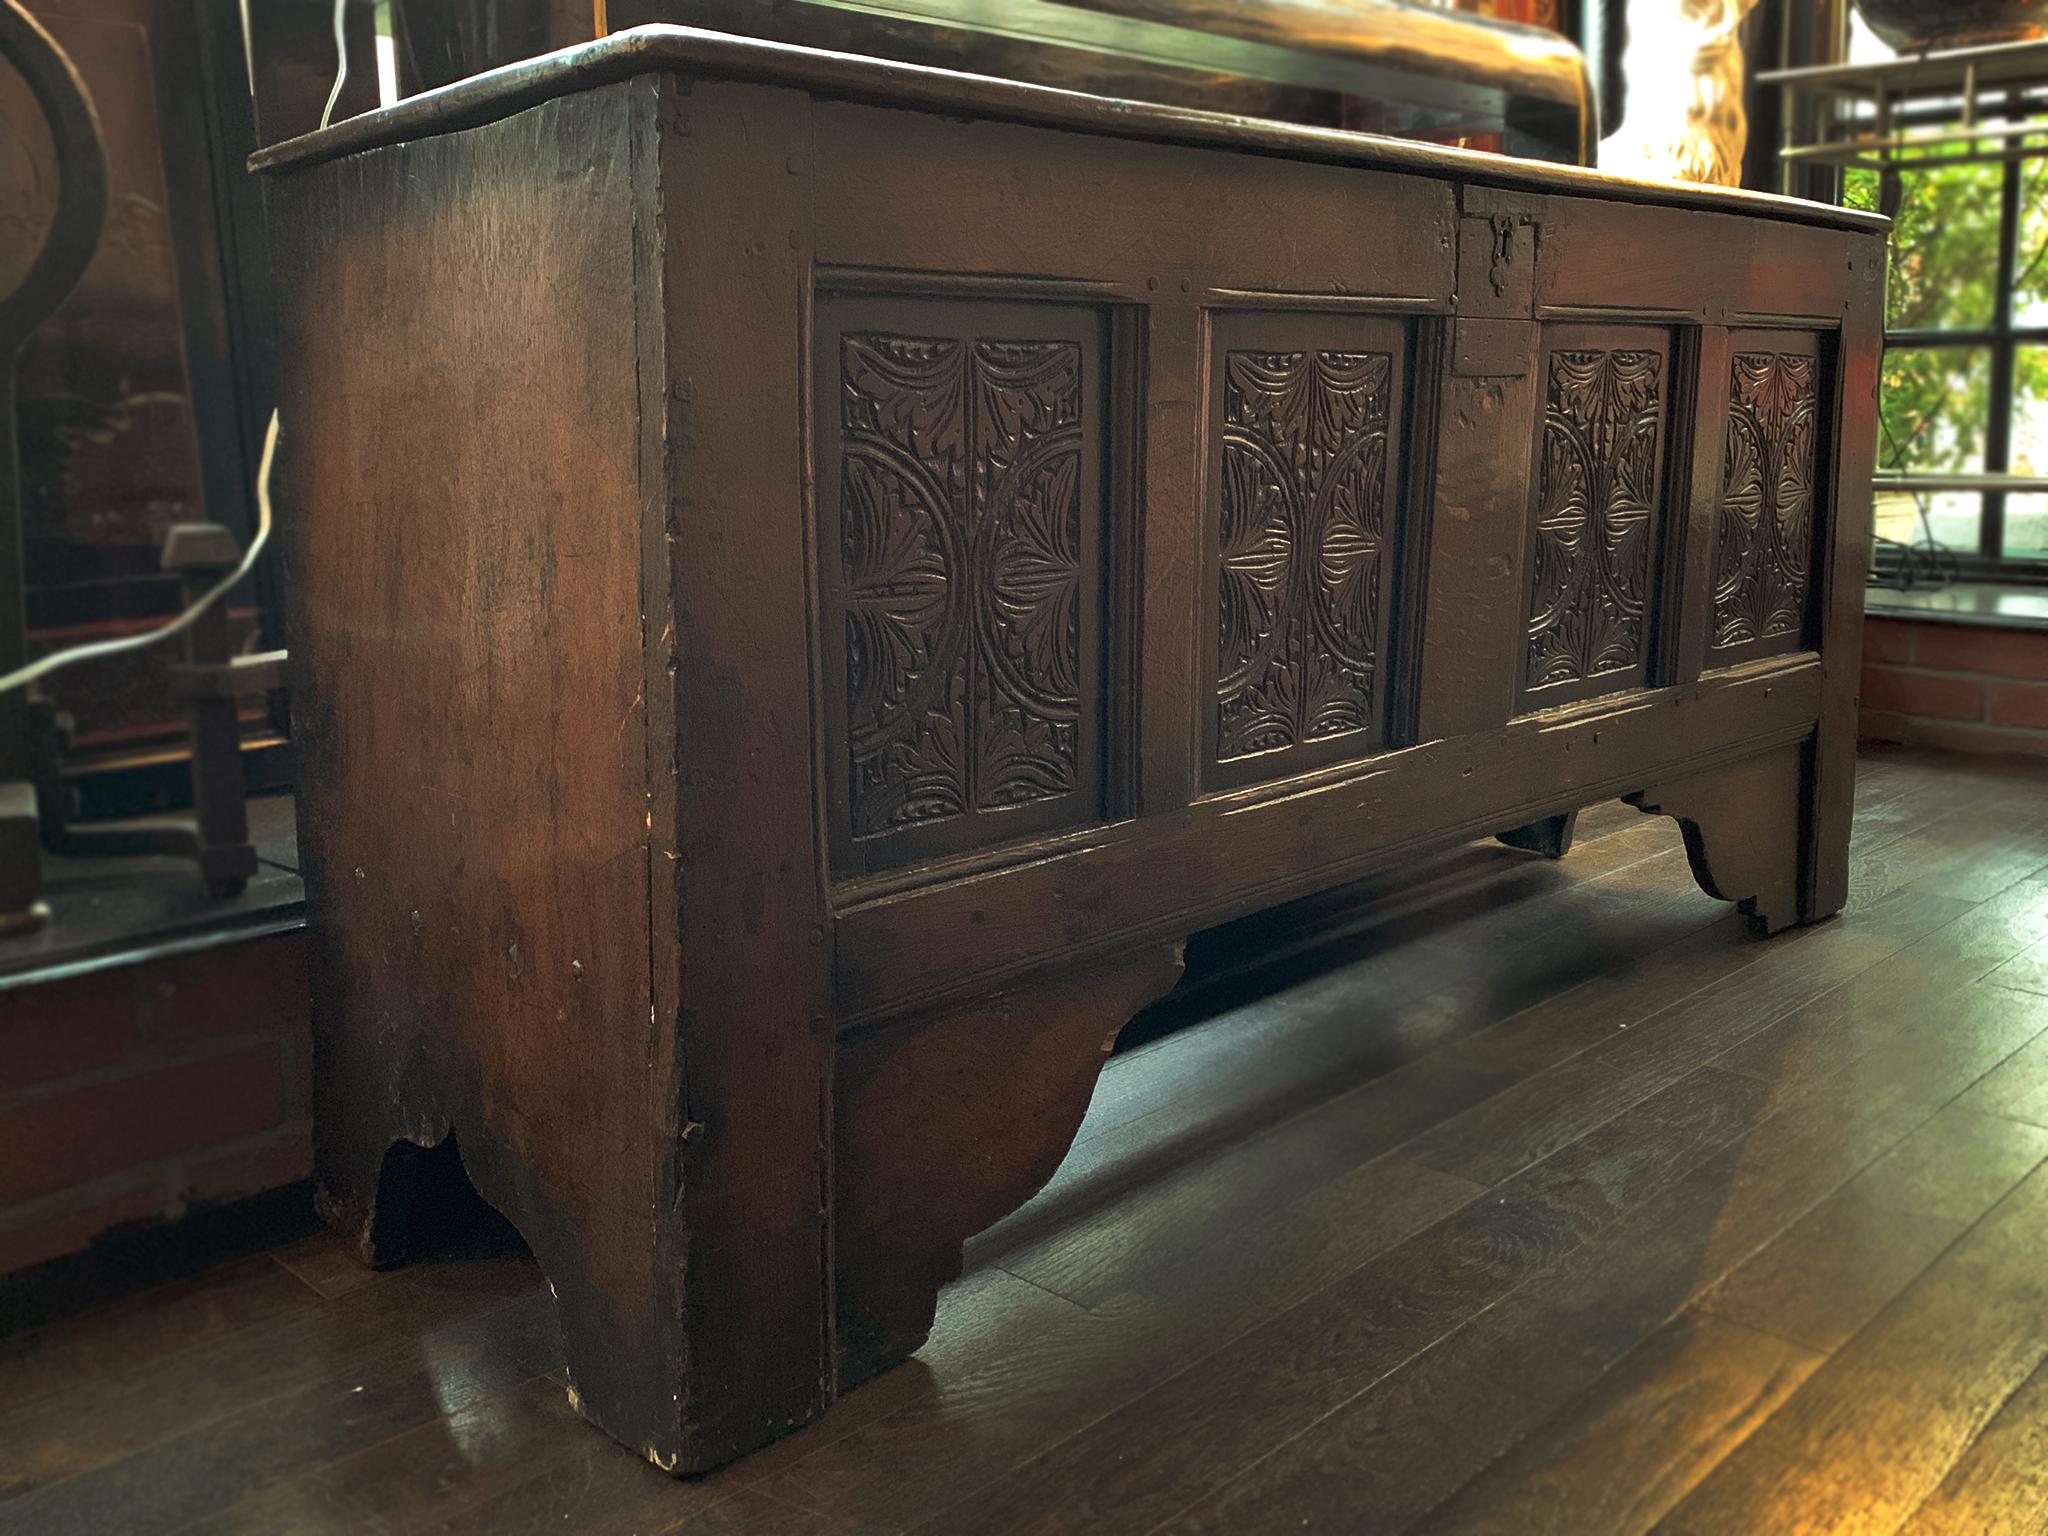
[(1953, 519), (2026, 527), (2029, 454), (1932, 407), (1896, 517), (1944, 267), (2030, 274)]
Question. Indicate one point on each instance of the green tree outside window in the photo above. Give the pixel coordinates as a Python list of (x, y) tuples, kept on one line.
[(1935, 403)]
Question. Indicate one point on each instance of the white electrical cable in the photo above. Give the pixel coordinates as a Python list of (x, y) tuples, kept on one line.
[(340, 61), (248, 50), (183, 621)]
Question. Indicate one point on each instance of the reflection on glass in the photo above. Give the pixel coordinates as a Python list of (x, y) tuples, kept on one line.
[(1944, 266), (1953, 519), (1932, 406), (2026, 527), (1895, 515)]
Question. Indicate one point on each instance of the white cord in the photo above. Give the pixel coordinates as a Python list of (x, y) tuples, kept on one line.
[(183, 621), (340, 61), (248, 50)]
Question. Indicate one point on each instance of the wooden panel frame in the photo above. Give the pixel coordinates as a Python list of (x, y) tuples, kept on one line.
[(1711, 267), (1228, 855), (1116, 214)]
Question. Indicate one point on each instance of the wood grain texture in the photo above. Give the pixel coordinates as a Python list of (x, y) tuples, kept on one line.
[(1364, 1452), (538, 520), (1320, 1353), (939, 1136), (1647, 1269), (690, 52), (1951, 1350), (2025, 973), (1842, 558), (817, 577), (1744, 833), (743, 1025), (1554, 1107), (1238, 1171), (1994, 1488), (1818, 1283), (1638, 1439), (1406, 1442)]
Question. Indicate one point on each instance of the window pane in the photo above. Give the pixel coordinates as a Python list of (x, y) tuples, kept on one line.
[(1956, 519), (2029, 411), (1944, 265), (2026, 514), (2026, 527), (2030, 275), (1932, 408), (1953, 520), (1895, 515)]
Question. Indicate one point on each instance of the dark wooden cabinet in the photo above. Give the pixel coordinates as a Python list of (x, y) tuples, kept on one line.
[(812, 577)]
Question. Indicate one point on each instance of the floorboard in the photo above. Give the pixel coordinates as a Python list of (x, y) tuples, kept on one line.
[(1637, 1440), (1871, 1433), (1505, 1196)]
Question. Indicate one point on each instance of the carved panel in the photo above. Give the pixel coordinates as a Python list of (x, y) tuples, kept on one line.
[(1305, 430), (1764, 555), (1599, 494), (961, 512)]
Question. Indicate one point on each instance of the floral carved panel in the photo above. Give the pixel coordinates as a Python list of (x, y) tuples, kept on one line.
[(1764, 554), (1594, 525), (965, 513), (1302, 516)]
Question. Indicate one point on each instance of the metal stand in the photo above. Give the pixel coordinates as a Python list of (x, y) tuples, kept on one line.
[(1959, 106), (211, 681)]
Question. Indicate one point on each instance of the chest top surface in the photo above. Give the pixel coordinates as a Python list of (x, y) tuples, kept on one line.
[(698, 54)]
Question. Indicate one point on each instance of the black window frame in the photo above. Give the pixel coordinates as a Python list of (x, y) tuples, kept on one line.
[(2001, 339)]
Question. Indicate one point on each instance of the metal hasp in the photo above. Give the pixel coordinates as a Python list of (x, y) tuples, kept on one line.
[(1380, 66), (74, 235)]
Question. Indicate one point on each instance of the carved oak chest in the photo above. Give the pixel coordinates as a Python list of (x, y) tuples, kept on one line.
[(812, 577)]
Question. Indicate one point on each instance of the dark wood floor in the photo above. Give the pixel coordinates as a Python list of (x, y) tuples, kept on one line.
[(1543, 1202)]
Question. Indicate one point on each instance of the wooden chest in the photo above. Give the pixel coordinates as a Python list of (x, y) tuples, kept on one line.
[(812, 577)]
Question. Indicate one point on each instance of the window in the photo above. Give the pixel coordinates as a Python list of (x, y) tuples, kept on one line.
[(1964, 386)]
